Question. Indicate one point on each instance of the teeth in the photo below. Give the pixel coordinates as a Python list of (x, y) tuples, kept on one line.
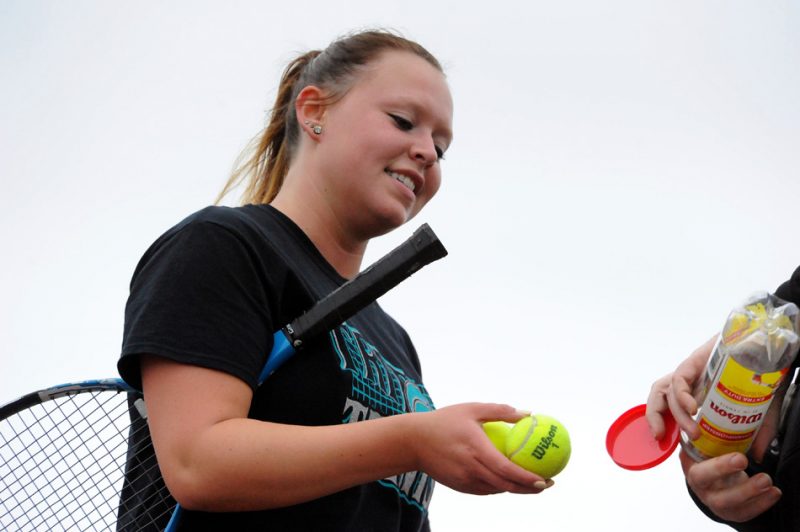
[(403, 179)]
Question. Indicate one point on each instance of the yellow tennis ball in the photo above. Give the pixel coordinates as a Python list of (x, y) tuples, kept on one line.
[(540, 444), (497, 432)]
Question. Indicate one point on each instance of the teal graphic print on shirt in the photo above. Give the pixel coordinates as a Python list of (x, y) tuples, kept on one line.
[(381, 389)]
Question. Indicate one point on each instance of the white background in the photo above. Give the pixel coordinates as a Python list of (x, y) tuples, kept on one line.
[(623, 173)]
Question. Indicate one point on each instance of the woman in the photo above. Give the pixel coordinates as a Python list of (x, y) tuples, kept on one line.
[(345, 436)]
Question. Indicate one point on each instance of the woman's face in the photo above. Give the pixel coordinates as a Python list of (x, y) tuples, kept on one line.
[(382, 142)]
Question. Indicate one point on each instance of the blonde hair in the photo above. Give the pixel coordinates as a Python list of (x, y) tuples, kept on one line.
[(263, 164)]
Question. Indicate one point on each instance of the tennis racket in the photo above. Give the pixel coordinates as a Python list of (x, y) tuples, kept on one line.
[(79, 456)]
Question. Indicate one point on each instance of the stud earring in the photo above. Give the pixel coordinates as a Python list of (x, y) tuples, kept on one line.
[(316, 128)]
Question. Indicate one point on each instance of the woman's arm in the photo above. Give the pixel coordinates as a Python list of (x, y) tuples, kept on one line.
[(215, 459)]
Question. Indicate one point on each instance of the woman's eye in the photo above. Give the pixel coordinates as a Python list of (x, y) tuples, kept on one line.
[(405, 124), (402, 123)]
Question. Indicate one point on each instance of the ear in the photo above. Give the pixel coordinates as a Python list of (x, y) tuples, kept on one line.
[(310, 109)]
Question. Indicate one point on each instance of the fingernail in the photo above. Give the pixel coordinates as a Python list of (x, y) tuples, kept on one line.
[(738, 461), (763, 482), (523, 412), (541, 485)]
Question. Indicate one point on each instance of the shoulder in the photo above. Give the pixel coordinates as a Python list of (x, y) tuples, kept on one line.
[(214, 227), (227, 241), (255, 224), (241, 216), (244, 220), (233, 244)]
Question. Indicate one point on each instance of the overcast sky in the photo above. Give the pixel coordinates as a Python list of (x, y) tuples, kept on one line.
[(622, 174)]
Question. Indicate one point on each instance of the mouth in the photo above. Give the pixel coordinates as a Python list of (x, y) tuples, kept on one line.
[(404, 180)]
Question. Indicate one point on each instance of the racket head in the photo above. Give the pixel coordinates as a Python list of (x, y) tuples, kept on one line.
[(78, 456)]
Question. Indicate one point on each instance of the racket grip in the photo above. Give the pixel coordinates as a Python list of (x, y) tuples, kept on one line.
[(420, 249)]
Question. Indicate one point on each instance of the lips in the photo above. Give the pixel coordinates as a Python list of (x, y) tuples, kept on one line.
[(403, 179)]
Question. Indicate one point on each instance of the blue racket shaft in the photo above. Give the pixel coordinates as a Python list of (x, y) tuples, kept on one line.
[(282, 350)]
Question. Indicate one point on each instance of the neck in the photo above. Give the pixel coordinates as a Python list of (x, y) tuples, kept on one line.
[(343, 250)]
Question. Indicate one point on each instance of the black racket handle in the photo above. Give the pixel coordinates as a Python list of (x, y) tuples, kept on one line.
[(420, 249)]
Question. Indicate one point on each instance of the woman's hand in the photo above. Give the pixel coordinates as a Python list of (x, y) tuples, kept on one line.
[(451, 446)]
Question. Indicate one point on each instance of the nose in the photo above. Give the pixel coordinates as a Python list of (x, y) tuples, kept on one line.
[(424, 152)]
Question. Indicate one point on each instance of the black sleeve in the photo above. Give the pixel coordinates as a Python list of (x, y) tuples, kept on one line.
[(761, 523), (790, 290), (198, 297)]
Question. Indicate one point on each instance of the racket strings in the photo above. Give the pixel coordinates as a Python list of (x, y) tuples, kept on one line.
[(65, 467), (145, 503), (64, 463), (95, 419)]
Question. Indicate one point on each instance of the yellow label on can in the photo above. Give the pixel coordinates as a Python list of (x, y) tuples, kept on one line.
[(734, 408)]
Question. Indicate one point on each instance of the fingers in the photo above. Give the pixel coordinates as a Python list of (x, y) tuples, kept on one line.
[(673, 393), (506, 476), (657, 405), (456, 452), (722, 484), (499, 412), (710, 474), (500, 472), (683, 406), (485, 472), (680, 398)]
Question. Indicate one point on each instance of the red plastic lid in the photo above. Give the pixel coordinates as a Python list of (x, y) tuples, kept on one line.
[(631, 445)]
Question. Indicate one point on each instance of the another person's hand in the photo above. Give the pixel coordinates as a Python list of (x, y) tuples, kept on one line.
[(722, 484), (673, 393), (452, 447)]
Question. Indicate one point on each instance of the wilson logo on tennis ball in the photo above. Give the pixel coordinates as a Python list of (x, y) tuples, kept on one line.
[(540, 444), (545, 443)]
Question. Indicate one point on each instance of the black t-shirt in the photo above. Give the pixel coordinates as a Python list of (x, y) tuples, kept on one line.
[(211, 292)]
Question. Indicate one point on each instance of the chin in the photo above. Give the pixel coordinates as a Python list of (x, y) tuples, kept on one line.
[(389, 220)]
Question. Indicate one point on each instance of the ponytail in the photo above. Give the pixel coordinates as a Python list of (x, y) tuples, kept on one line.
[(265, 160)]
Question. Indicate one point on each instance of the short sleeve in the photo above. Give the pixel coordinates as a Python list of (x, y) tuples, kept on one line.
[(199, 296), (790, 290)]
